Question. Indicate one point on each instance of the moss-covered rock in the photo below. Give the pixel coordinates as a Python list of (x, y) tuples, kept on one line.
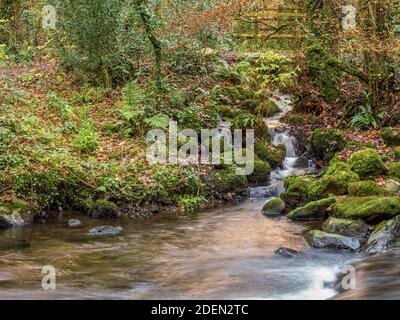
[(346, 227), (326, 142), (274, 155), (313, 210), (335, 181), (226, 111), (370, 209), (267, 108), (367, 163), (297, 188), (390, 136), (274, 207), (386, 235), (261, 173), (15, 214), (323, 240), (365, 189), (394, 170), (103, 209), (226, 181)]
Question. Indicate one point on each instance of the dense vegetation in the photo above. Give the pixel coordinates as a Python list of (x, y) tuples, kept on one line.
[(77, 100)]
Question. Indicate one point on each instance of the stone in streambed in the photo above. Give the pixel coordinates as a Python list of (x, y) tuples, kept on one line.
[(322, 240), (15, 214), (74, 223), (385, 236), (392, 185), (372, 209), (312, 211), (345, 227), (286, 252), (274, 207), (105, 231), (301, 162)]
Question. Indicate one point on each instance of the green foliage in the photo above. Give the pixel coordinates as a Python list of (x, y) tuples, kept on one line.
[(366, 118), (365, 188), (261, 172), (99, 40), (188, 203), (394, 170), (59, 105), (390, 136), (86, 141)]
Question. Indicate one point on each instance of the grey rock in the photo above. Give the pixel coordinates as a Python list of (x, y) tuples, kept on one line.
[(274, 207), (286, 252), (391, 185), (15, 214), (323, 240), (385, 236), (105, 231), (73, 223), (301, 162), (345, 227)]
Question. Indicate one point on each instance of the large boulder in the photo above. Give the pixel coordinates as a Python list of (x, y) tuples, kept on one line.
[(335, 180), (261, 173), (296, 191), (370, 209), (312, 211), (15, 214), (367, 163), (385, 236), (345, 227), (274, 207), (323, 240)]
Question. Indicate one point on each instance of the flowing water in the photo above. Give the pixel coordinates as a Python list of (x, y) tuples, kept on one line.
[(223, 253)]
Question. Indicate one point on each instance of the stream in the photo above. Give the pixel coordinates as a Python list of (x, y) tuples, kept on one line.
[(223, 253)]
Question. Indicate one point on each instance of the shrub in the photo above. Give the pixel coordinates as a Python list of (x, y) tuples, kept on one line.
[(86, 141)]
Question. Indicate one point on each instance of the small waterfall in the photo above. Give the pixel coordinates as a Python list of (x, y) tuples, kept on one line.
[(279, 134)]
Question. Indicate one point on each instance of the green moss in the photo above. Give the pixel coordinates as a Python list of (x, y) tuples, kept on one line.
[(367, 163), (261, 172), (15, 213), (103, 209), (370, 209), (365, 188), (225, 181), (297, 189), (312, 210), (326, 142), (267, 108), (274, 155), (335, 181), (390, 137), (274, 207), (394, 170), (226, 111)]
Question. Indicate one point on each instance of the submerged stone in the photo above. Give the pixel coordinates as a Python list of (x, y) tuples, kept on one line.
[(345, 227), (73, 223), (286, 252), (323, 240), (105, 231)]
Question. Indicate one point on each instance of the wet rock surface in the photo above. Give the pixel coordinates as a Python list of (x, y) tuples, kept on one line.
[(105, 231), (345, 227), (386, 235), (286, 252), (324, 240)]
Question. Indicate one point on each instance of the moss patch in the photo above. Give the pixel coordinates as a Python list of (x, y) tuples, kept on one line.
[(367, 163), (297, 189), (313, 210), (370, 209), (365, 188), (394, 170), (390, 137)]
